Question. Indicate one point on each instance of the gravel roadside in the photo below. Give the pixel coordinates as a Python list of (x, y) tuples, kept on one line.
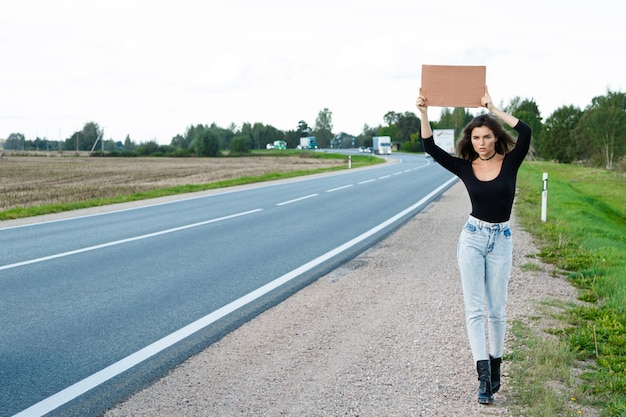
[(383, 335)]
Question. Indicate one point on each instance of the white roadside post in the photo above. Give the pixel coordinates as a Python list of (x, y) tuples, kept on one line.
[(544, 197), (349, 161)]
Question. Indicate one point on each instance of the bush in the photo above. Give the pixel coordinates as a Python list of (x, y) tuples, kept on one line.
[(413, 145), (207, 143), (240, 144), (147, 148), (179, 153)]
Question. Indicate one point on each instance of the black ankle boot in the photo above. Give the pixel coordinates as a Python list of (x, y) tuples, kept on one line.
[(485, 395), (495, 374)]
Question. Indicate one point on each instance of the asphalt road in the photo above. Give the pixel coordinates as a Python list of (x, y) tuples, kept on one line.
[(95, 307)]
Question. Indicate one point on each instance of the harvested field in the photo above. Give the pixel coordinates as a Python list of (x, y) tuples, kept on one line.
[(27, 181)]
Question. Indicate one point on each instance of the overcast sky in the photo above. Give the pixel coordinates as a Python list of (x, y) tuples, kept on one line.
[(149, 69)]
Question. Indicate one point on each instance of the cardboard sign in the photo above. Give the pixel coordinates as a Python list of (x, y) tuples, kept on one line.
[(453, 86)]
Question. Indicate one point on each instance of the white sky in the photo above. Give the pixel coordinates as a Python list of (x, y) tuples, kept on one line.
[(152, 68)]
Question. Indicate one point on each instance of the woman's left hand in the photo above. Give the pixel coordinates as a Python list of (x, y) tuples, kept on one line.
[(486, 100)]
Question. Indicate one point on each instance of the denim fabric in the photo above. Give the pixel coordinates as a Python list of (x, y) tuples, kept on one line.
[(485, 256)]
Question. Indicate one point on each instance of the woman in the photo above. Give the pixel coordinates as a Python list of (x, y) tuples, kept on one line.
[(489, 158)]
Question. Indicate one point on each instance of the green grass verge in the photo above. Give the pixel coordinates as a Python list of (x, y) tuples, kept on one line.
[(585, 239), (542, 381), (357, 162)]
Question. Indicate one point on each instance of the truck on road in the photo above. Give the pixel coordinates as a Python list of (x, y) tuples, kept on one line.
[(381, 145), (280, 144), (308, 142)]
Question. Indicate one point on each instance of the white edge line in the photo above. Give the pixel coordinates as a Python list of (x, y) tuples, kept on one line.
[(119, 242), (122, 210), (68, 394)]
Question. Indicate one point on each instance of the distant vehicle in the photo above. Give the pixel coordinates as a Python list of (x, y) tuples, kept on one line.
[(308, 142), (269, 146), (362, 149), (381, 145), (369, 150), (280, 144)]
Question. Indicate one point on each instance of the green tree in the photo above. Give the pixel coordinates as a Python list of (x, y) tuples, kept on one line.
[(223, 135), (178, 141), (414, 144), (15, 141), (604, 123), (303, 129), (270, 135), (400, 126), (263, 134), (323, 131), (258, 131), (148, 148), (246, 129), (365, 138), (185, 140), (391, 129), (260, 134), (407, 124), (84, 139), (528, 111), (129, 144), (110, 145), (207, 143), (391, 118), (240, 144), (292, 137), (456, 118), (558, 140)]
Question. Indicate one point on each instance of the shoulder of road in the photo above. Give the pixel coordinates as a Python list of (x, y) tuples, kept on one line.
[(383, 334)]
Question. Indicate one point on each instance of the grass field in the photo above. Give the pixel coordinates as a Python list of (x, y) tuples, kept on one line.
[(584, 237)]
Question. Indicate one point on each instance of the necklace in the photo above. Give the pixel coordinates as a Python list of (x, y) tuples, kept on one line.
[(486, 159)]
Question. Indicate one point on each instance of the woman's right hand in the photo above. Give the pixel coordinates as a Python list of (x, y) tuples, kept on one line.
[(426, 130), (421, 104)]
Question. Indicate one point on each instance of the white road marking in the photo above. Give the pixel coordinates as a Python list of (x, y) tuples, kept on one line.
[(297, 199), (119, 242), (339, 188), (70, 393)]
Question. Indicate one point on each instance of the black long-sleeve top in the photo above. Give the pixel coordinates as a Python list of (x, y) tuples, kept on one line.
[(492, 201)]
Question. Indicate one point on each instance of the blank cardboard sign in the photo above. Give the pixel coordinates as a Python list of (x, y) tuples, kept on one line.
[(453, 85)]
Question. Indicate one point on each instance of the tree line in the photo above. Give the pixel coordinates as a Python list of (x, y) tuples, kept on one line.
[(595, 135), (200, 140)]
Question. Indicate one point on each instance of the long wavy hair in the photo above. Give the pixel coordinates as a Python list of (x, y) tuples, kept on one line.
[(505, 142)]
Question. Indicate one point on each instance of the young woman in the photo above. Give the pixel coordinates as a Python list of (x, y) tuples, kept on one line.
[(487, 163)]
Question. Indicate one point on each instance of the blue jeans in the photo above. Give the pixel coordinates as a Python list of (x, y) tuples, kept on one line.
[(485, 256)]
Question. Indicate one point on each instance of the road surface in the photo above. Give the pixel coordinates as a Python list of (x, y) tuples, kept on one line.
[(96, 306)]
